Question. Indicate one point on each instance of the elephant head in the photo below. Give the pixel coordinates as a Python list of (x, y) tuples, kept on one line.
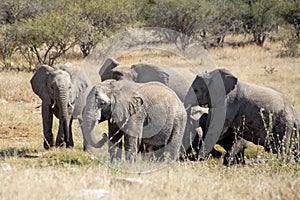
[(212, 87), (102, 105), (60, 88)]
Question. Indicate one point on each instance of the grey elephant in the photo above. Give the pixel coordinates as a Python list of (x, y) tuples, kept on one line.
[(258, 114), (178, 78), (63, 90), (150, 115)]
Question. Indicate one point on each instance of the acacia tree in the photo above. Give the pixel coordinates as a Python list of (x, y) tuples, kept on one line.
[(290, 12), (46, 37), (260, 19), (187, 18), (10, 13), (105, 18)]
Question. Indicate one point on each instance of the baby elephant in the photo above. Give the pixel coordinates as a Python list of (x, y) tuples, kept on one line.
[(150, 116)]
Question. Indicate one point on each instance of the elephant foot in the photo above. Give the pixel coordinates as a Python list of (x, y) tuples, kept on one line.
[(48, 142), (59, 144), (47, 146), (70, 144)]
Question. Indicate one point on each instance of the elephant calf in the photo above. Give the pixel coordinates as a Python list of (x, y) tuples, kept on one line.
[(63, 90), (150, 116)]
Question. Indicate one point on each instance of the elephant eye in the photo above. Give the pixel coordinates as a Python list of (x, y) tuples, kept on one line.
[(100, 103)]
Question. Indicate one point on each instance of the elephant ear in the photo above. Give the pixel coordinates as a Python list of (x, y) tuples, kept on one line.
[(229, 80), (218, 78), (147, 72), (39, 83), (136, 103), (105, 71)]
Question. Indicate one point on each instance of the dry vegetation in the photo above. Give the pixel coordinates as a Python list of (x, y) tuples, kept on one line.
[(29, 172)]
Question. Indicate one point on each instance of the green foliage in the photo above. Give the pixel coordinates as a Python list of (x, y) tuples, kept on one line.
[(104, 18), (72, 157), (48, 36), (290, 13), (260, 19)]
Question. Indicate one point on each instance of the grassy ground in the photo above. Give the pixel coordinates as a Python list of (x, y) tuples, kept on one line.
[(29, 172)]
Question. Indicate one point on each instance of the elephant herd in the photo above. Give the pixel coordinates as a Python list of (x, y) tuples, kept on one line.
[(165, 112)]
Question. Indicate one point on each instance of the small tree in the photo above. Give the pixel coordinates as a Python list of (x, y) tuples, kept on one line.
[(104, 18), (44, 39), (260, 19), (185, 17), (10, 13), (290, 12)]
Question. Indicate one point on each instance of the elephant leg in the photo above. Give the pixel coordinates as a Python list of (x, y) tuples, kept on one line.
[(133, 131), (130, 147), (60, 135), (173, 146), (47, 116), (71, 142)]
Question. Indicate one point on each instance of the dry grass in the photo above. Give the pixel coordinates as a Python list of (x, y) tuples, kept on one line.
[(29, 172)]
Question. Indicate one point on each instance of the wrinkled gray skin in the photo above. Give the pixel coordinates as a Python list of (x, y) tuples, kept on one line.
[(63, 90), (178, 78), (244, 104), (150, 115)]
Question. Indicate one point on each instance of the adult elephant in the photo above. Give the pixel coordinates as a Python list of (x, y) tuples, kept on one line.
[(150, 115), (63, 90), (258, 114)]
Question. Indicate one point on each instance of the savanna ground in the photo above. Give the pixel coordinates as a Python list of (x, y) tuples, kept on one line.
[(27, 171)]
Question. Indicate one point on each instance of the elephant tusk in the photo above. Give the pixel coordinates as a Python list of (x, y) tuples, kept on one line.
[(54, 103), (188, 107), (71, 105)]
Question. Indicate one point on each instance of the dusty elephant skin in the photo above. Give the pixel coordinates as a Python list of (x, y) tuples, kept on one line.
[(63, 90), (258, 114), (178, 78), (150, 116)]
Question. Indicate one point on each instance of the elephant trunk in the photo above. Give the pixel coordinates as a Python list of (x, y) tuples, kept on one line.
[(91, 116), (65, 114)]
